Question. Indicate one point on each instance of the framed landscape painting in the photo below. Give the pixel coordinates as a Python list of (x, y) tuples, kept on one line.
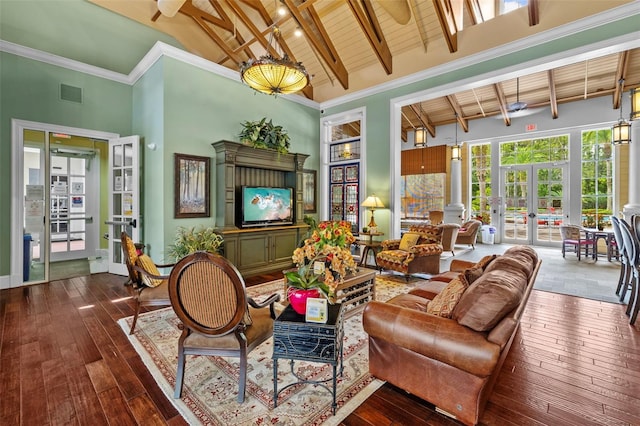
[(191, 193)]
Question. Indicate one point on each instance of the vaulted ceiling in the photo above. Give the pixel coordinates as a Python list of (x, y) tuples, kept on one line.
[(350, 45)]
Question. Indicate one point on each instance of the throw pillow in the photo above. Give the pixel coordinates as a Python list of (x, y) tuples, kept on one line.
[(131, 249), (442, 305), (409, 239), (147, 264), (485, 261), (472, 274)]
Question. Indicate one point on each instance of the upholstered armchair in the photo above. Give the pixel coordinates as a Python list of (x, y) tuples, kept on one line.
[(418, 251), (468, 232), (449, 235)]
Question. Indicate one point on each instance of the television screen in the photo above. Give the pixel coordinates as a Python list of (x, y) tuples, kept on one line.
[(263, 206)]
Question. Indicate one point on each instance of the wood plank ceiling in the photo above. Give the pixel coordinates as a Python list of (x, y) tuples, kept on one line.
[(342, 39)]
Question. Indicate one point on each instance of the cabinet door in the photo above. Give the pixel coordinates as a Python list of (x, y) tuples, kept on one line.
[(253, 251), (283, 243)]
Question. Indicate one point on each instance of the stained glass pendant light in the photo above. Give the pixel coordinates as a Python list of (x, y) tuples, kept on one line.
[(274, 76)]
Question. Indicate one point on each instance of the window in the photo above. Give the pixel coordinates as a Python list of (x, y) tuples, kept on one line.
[(342, 147), (535, 151), (480, 181), (597, 178)]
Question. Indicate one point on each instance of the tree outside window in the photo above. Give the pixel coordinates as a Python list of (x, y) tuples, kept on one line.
[(597, 178)]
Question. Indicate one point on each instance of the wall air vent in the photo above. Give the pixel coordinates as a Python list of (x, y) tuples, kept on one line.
[(70, 93)]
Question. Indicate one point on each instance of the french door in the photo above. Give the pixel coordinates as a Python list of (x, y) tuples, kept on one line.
[(534, 201), (124, 198)]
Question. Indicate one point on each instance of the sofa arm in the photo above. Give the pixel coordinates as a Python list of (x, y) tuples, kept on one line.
[(459, 265), (438, 338)]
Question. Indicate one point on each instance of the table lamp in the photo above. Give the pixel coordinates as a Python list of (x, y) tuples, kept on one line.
[(372, 202)]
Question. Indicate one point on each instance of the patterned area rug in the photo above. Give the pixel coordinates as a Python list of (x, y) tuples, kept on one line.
[(211, 383)]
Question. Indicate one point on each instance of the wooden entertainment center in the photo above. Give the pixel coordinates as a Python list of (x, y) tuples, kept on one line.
[(257, 250)]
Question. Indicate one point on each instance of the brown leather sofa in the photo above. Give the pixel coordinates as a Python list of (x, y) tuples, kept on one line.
[(453, 362)]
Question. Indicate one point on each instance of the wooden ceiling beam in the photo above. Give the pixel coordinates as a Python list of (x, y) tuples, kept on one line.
[(366, 17), (502, 102), (534, 14), (424, 120), (321, 43), (621, 72), (553, 100), (455, 106), (447, 23), (475, 11)]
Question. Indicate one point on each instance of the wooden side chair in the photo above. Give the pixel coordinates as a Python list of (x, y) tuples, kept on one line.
[(573, 236), (218, 319), (147, 285)]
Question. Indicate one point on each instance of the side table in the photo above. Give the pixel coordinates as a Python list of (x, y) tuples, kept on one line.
[(370, 246), (295, 339)]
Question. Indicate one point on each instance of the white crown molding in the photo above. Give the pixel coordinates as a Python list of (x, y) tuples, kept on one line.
[(51, 59), (606, 17), (158, 50)]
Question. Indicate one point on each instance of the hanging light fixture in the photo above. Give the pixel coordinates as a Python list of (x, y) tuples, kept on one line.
[(456, 150), (274, 76), (621, 131), (635, 104), (420, 133)]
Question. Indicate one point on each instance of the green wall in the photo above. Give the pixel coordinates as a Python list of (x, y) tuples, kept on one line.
[(194, 109), (30, 91)]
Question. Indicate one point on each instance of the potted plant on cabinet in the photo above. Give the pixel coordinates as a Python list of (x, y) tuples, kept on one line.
[(321, 263), (265, 134)]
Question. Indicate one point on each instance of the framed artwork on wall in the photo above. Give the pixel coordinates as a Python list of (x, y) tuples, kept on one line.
[(309, 189), (191, 191)]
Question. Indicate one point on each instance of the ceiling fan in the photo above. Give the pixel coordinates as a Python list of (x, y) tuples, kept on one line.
[(519, 108)]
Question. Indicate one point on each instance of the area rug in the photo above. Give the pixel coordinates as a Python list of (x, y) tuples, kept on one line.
[(211, 383)]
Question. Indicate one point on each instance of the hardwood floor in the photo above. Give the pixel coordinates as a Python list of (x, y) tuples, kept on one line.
[(65, 360)]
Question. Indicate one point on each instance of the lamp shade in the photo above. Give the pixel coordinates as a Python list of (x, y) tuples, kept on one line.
[(274, 76), (456, 152), (621, 133), (635, 103), (420, 137), (373, 202)]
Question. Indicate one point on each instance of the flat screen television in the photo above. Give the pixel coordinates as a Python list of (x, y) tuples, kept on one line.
[(266, 206)]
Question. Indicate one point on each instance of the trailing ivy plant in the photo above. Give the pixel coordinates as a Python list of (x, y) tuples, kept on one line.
[(264, 134), (190, 240)]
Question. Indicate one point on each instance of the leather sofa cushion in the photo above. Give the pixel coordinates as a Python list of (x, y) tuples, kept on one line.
[(489, 299), (520, 258), (472, 274), (431, 288), (410, 301)]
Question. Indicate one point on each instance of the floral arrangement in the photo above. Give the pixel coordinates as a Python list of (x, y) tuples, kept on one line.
[(329, 244)]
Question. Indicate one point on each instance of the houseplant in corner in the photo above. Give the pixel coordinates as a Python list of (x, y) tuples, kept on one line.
[(321, 263), (265, 134), (191, 240)]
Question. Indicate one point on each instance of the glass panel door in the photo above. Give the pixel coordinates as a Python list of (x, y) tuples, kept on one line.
[(515, 188)]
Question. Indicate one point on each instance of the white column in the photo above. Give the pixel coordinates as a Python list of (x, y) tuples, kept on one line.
[(454, 211), (633, 207)]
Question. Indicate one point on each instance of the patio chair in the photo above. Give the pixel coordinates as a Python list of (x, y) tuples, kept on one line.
[(573, 236)]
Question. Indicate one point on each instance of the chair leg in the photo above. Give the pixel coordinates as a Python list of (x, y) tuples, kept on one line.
[(243, 374), (623, 279), (135, 317), (177, 393), (628, 277), (634, 294)]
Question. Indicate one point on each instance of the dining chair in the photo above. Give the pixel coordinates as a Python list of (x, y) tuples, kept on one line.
[(625, 267), (573, 236), (208, 295), (632, 247), (146, 284)]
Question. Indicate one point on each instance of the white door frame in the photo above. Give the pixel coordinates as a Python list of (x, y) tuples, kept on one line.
[(17, 183)]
